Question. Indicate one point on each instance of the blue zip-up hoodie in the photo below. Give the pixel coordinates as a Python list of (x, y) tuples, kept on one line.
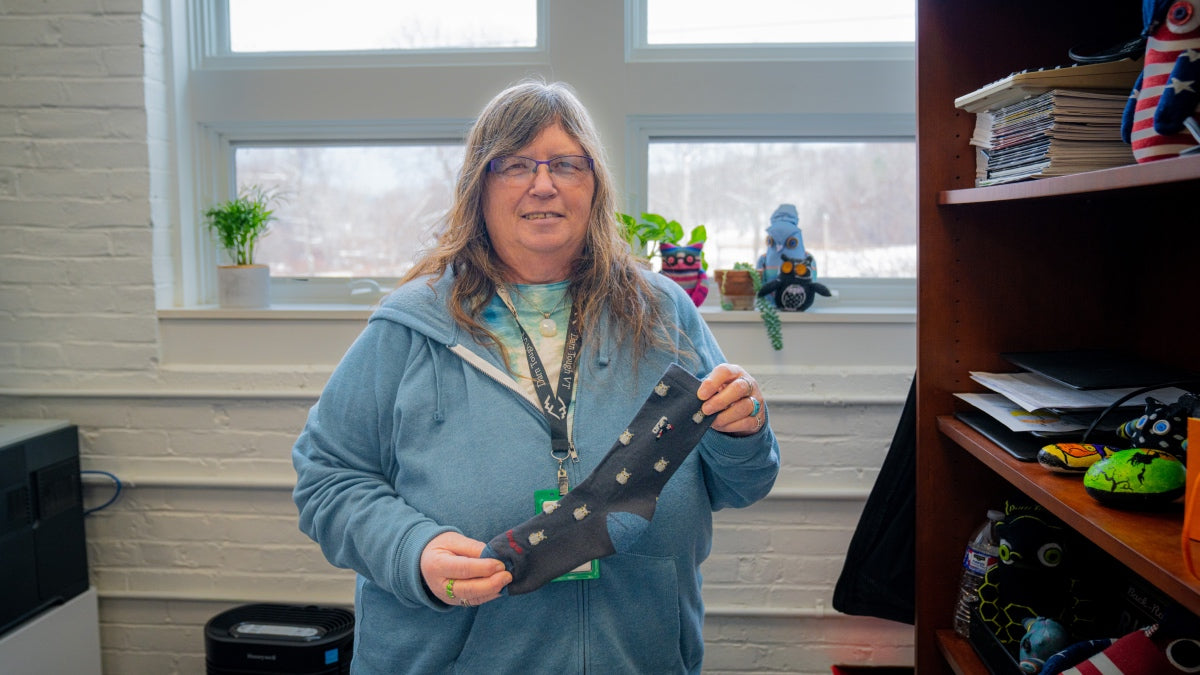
[(421, 430)]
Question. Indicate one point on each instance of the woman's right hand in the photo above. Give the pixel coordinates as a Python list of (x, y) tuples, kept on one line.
[(453, 570)]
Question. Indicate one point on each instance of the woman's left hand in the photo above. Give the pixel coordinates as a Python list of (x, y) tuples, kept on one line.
[(731, 392)]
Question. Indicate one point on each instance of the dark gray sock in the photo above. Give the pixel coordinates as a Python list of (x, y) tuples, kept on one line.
[(611, 508)]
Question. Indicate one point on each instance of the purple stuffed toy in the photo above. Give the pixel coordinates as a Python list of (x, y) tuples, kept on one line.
[(685, 264)]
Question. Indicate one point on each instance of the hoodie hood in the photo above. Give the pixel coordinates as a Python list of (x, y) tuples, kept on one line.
[(419, 306)]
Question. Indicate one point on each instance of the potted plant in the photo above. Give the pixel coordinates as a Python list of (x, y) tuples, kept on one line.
[(238, 224), (739, 288), (646, 234)]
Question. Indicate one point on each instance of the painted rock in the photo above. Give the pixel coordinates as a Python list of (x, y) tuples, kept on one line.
[(1072, 457), (1134, 478)]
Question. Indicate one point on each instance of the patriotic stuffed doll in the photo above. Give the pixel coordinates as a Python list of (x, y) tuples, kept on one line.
[(1152, 650), (1168, 90)]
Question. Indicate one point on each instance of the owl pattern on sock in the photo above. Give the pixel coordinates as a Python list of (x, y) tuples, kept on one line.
[(611, 509)]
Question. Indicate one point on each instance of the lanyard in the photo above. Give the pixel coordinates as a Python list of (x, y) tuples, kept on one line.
[(554, 402)]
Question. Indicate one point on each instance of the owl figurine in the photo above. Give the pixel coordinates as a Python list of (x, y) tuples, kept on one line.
[(783, 238), (685, 264), (1166, 96), (795, 287)]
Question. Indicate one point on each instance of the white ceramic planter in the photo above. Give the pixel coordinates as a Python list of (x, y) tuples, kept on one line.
[(244, 286)]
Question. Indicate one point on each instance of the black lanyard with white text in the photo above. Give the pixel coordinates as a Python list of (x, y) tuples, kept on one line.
[(554, 403)]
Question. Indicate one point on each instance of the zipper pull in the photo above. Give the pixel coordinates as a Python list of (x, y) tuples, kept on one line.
[(572, 453), (563, 486)]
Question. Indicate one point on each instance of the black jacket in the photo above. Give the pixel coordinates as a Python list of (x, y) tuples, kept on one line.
[(878, 577)]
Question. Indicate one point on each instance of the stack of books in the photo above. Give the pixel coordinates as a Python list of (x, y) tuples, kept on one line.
[(1051, 123), (1060, 132)]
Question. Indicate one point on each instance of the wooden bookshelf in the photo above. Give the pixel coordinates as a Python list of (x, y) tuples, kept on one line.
[(1156, 174), (1147, 542), (1099, 260), (959, 654)]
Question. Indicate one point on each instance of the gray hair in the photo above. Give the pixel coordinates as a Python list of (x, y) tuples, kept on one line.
[(605, 278)]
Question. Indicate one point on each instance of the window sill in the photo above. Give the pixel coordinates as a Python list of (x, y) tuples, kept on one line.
[(356, 312), (816, 314), (316, 336), (276, 312)]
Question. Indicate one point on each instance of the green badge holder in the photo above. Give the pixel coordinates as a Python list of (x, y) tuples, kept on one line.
[(588, 570)]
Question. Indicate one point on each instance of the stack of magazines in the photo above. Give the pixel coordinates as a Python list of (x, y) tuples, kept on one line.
[(1055, 133)]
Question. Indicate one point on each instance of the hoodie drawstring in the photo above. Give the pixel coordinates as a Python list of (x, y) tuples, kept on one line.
[(438, 415)]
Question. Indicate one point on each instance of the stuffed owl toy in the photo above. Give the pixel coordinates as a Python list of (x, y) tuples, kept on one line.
[(783, 238), (795, 287), (685, 264), (1167, 93)]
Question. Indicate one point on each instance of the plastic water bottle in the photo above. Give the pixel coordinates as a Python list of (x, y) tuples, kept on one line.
[(981, 553)]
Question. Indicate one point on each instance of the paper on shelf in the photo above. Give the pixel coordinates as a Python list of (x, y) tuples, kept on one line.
[(1119, 75), (1034, 392), (1017, 418)]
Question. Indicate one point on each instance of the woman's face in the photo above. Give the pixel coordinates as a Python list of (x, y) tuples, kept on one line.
[(537, 225)]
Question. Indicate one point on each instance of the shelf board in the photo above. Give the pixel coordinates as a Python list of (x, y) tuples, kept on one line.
[(1147, 542), (1161, 172), (959, 653)]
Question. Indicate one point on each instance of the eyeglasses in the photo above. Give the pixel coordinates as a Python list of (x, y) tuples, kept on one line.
[(564, 170), (679, 259)]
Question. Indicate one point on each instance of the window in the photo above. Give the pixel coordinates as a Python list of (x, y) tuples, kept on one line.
[(363, 25), (674, 22), (350, 211), (362, 134), (856, 200)]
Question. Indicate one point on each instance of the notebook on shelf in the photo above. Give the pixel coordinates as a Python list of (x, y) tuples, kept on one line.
[(1096, 368), (1020, 444), (1110, 75)]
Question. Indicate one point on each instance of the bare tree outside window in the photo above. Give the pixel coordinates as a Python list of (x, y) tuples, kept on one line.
[(856, 200), (359, 25), (368, 211), (350, 211), (677, 22)]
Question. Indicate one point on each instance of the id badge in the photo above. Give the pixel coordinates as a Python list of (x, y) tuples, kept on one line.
[(588, 570)]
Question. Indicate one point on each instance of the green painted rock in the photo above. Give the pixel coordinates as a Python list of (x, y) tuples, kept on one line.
[(1136, 478)]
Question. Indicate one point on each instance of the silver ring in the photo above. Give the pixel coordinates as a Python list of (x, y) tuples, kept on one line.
[(758, 422), (757, 406), (464, 602)]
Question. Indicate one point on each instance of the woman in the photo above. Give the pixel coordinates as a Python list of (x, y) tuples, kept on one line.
[(432, 436)]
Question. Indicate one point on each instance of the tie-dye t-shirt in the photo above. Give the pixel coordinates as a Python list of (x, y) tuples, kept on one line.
[(499, 319)]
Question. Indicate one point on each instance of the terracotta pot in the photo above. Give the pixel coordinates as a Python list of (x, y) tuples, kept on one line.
[(244, 286), (737, 288)]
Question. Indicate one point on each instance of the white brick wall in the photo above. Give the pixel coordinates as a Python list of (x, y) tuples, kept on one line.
[(75, 271), (205, 521)]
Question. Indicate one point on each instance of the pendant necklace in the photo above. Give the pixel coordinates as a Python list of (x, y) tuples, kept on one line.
[(548, 327)]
